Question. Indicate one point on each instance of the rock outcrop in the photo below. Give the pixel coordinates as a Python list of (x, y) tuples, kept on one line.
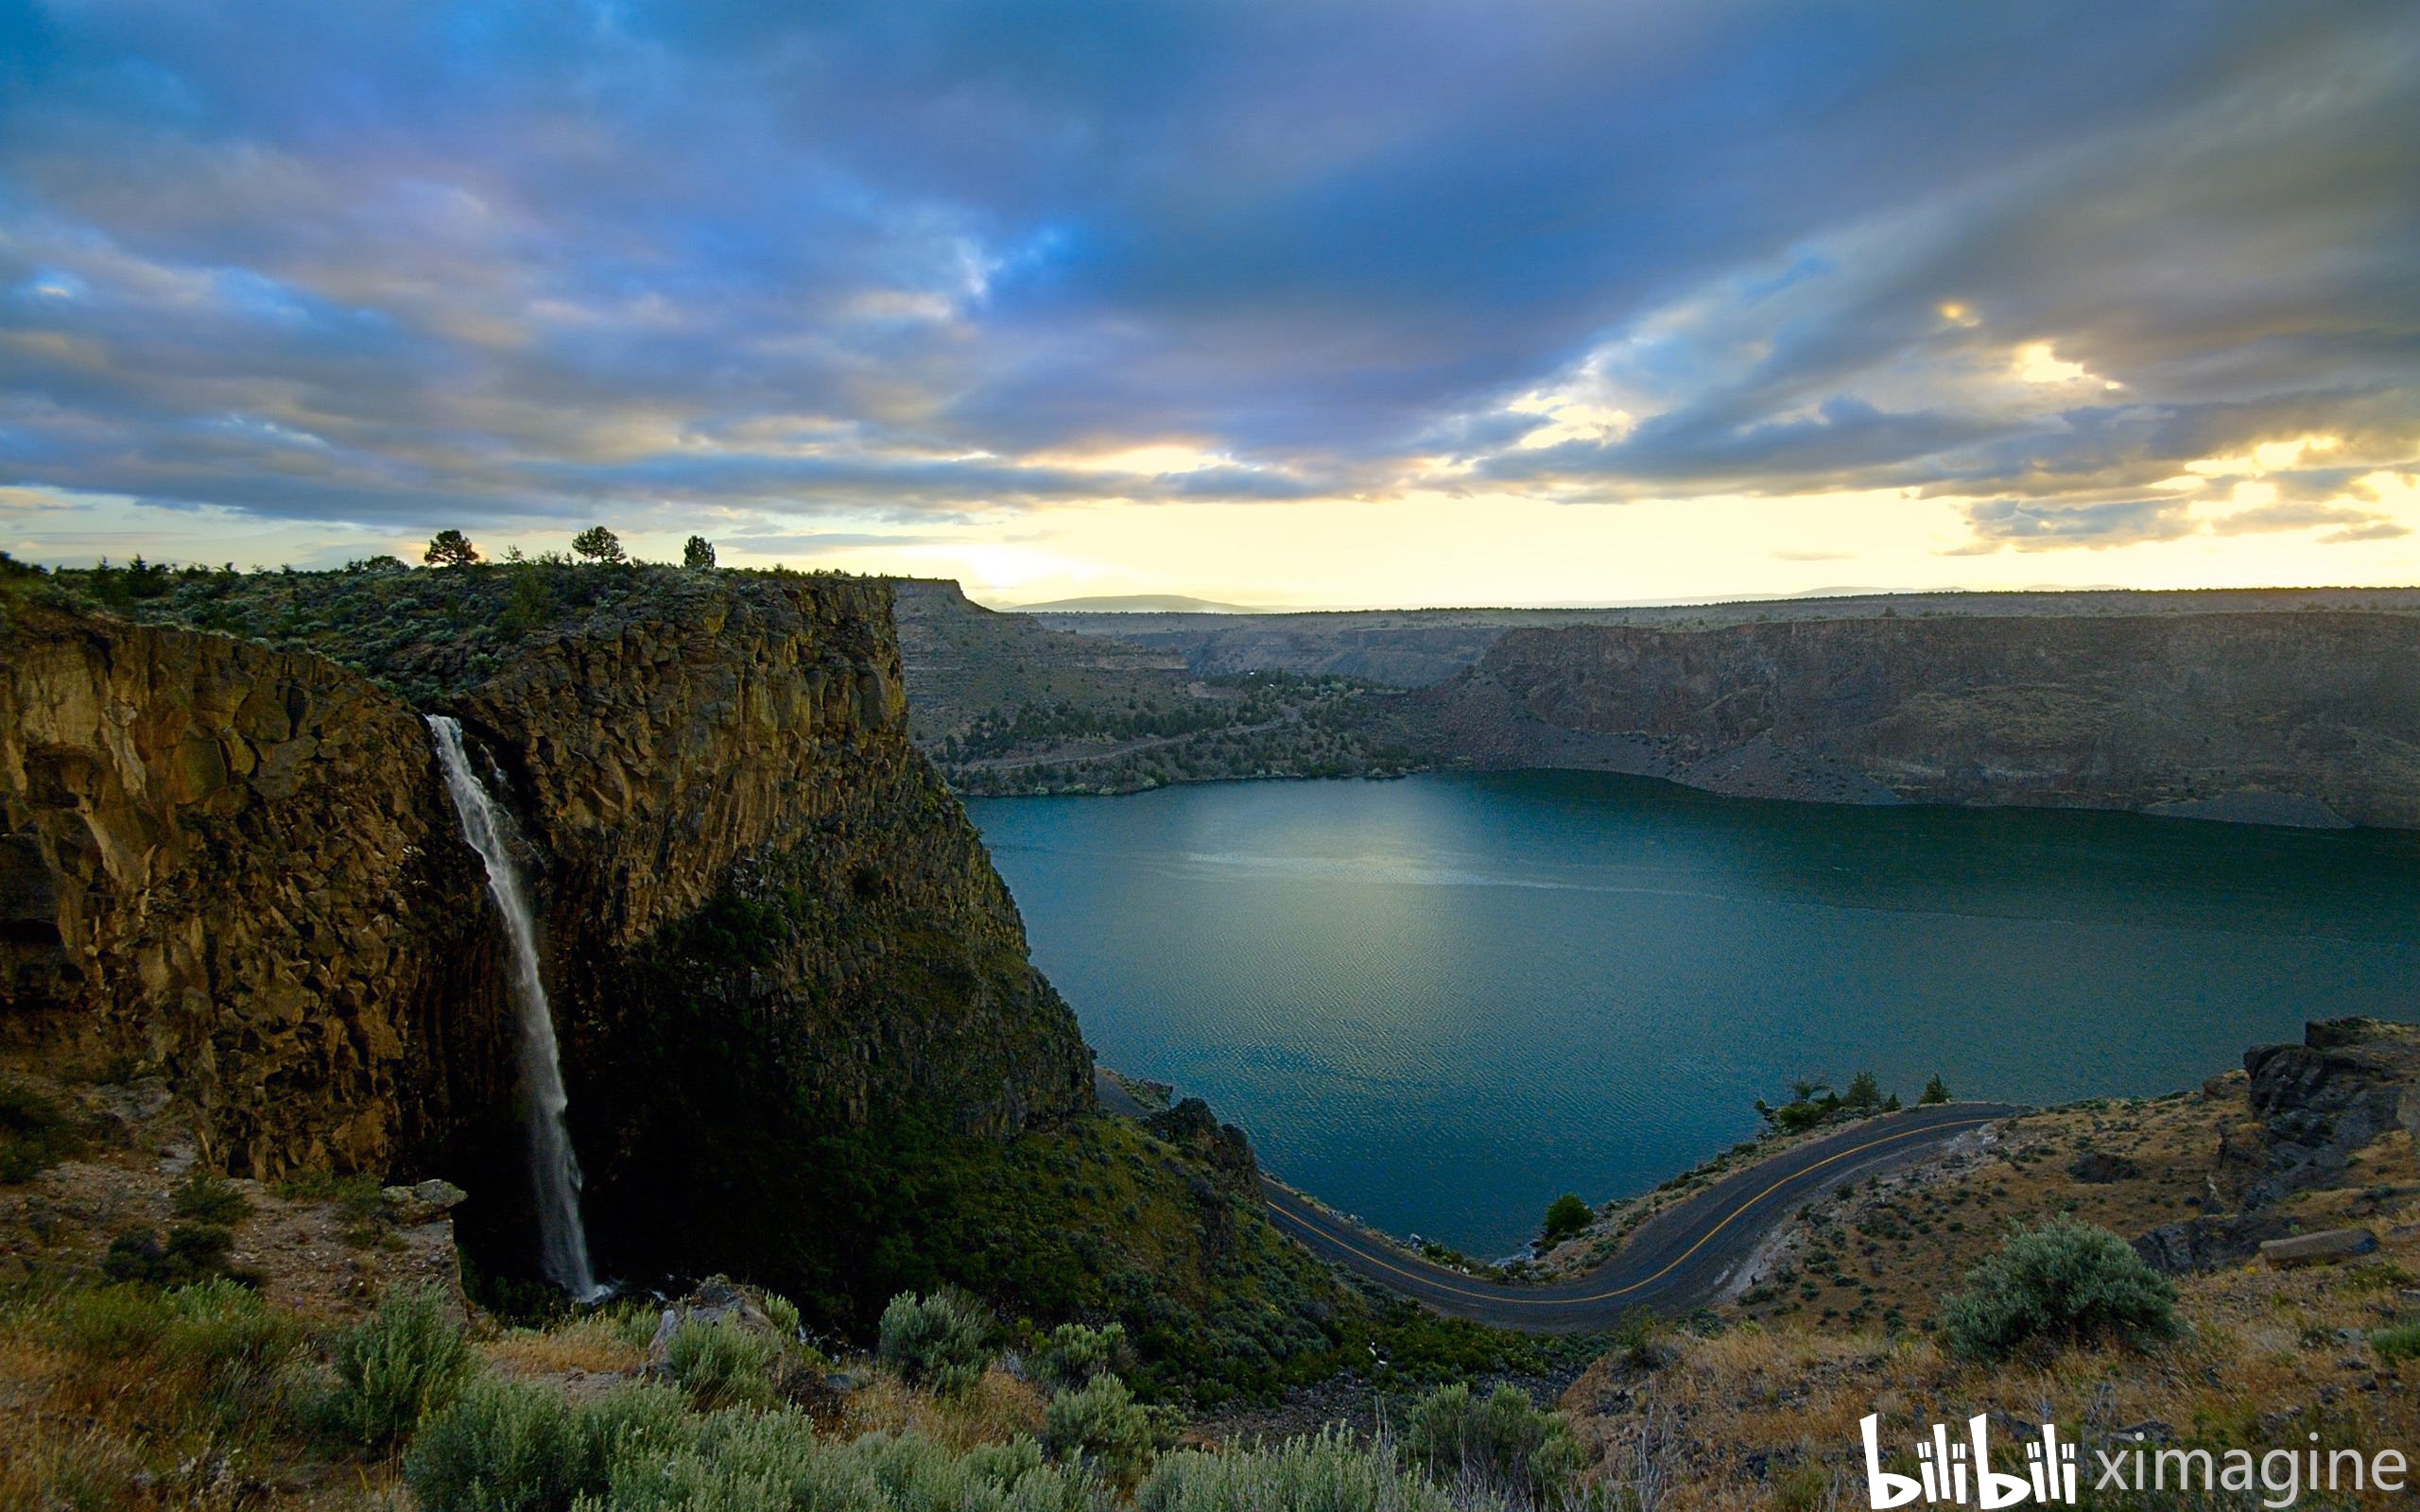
[(2348, 1083), (765, 920), (229, 863), (2313, 1108), (2311, 715)]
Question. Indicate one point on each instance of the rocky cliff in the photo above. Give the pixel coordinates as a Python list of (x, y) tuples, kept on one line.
[(224, 861), (2302, 717), (764, 919)]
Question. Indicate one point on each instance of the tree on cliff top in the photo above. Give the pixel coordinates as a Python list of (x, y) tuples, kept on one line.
[(600, 546), (450, 548), (698, 553)]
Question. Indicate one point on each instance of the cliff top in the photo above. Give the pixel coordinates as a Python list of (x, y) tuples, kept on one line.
[(430, 635)]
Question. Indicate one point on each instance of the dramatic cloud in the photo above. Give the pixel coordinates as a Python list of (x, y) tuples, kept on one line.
[(839, 275)]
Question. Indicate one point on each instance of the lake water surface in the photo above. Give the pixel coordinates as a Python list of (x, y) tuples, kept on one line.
[(1439, 1002)]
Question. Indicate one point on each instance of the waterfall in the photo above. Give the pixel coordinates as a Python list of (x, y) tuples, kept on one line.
[(553, 1169)]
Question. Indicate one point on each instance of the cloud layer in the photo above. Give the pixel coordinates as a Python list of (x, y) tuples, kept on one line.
[(2096, 274)]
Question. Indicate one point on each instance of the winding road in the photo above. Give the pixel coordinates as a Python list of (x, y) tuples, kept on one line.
[(1677, 1260)]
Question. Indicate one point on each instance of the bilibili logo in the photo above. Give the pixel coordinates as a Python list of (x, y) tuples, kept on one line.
[(1947, 1467), (1958, 1469)]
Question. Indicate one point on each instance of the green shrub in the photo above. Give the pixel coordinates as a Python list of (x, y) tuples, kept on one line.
[(1102, 1425), (2401, 1342), (34, 1134), (1078, 1353), (1636, 1339), (1330, 1473), (2063, 1282), (1566, 1215), (1503, 1443), (208, 1198), (1936, 1091), (724, 1364), (194, 1252), (784, 1314), (941, 1340), (774, 1462), (397, 1367), (504, 1448)]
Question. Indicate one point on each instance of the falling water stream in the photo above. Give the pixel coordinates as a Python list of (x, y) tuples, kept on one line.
[(553, 1169)]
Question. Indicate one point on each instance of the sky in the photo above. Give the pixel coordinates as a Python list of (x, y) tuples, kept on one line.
[(1327, 302)]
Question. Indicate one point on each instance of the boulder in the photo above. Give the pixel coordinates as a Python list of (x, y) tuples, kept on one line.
[(2100, 1167), (2207, 1243), (2324, 1248), (411, 1207)]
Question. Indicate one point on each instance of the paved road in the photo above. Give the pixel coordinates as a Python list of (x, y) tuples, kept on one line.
[(1677, 1260)]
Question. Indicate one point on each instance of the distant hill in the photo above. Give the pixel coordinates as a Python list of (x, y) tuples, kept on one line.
[(1138, 604)]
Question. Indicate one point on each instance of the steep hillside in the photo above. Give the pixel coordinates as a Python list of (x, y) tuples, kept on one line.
[(1004, 705), (2305, 717)]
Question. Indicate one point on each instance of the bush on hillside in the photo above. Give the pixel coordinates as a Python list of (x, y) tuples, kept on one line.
[(194, 1252), (2401, 1342), (209, 1198), (1503, 1442), (1101, 1425), (725, 1363), (940, 1341), (34, 1134), (506, 1447), (2063, 1282), (1078, 1353), (397, 1368)]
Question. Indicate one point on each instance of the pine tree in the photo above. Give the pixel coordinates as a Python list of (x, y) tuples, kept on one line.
[(451, 548)]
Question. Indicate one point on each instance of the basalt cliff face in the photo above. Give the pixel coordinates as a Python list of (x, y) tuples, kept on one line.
[(227, 862), (764, 919), (2310, 716)]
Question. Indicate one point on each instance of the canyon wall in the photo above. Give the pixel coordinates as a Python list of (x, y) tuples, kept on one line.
[(230, 861), (2296, 717), (765, 920)]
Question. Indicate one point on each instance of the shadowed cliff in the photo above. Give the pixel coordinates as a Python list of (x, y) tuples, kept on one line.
[(766, 921)]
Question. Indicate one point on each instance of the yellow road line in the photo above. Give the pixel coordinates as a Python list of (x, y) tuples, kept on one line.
[(1509, 1294)]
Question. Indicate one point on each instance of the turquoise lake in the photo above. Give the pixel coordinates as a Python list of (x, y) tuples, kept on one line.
[(1438, 1003)]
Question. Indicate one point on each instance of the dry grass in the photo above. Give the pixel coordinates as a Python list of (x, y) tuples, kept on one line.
[(592, 1345), (1767, 1413), (996, 1408)]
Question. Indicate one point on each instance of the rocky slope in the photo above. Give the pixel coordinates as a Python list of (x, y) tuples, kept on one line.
[(765, 920), (2303, 717)]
